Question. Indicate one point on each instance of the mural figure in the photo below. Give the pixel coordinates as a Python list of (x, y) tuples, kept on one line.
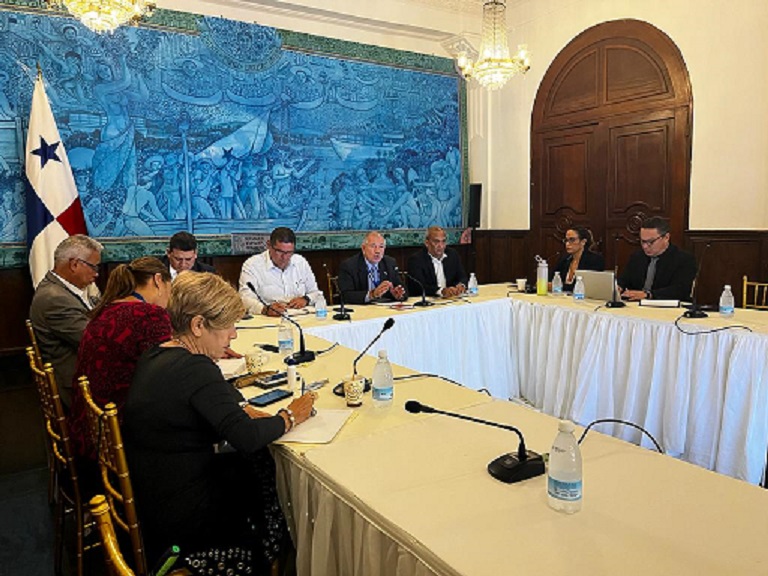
[(238, 135)]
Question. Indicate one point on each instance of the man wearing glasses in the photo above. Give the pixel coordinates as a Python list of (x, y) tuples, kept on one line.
[(282, 278), (370, 275), (660, 270), (60, 306)]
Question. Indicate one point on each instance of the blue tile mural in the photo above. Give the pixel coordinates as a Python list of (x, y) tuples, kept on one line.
[(223, 129)]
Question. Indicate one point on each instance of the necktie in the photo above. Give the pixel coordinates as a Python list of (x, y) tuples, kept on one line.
[(650, 274), (373, 277)]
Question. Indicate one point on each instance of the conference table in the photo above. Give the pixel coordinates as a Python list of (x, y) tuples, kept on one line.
[(703, 396), (408, 494)]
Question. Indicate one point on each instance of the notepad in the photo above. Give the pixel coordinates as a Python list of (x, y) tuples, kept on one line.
[(232, 367), (319, 429), (660, 303)]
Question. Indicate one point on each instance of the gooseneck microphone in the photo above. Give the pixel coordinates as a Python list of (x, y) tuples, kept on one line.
[(695, 311), (387, 325), (508, 468), (423, 301), (303, 355), (339, 388)]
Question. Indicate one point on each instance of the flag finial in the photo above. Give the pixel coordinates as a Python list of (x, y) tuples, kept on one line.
[(39, 72)]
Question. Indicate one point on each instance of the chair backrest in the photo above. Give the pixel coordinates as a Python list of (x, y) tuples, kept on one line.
[(333, 287), (754, 294), (112, 555), (33, 343), (56, 427), (104, 429)]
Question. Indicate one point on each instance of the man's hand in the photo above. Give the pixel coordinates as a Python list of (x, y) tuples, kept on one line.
[(381, 289), (298, 302), (633, 295), (397, 291), (275, 309), (452, 291)]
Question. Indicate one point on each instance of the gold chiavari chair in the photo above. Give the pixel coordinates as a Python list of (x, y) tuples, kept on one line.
[(754, 294)]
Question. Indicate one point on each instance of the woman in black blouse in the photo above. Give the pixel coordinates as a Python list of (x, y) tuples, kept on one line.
[(578, 256), (179, 407)]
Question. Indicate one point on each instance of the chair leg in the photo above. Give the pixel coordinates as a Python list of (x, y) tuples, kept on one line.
[(59, 535), (51, 482), (80, 535)]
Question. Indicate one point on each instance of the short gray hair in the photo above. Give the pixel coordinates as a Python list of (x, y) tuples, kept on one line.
[(77, 246)]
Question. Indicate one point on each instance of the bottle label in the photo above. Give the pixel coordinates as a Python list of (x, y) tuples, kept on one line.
[(321, 312), (567, 491), (726, 310), (382, 394), (578, 296)]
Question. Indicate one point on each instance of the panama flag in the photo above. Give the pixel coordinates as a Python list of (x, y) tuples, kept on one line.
[(53, 205)]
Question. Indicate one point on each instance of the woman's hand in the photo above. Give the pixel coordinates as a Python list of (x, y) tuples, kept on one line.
[(254, 413), (300, 410)]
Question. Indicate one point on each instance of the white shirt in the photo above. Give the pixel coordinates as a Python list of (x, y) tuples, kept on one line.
[(273, 284), (439, 272), (79, 292)]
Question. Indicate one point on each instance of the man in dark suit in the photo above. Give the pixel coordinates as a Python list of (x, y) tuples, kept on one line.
[(60, 307), (370, 275), (660, 270), (181, 255), (437, 267)]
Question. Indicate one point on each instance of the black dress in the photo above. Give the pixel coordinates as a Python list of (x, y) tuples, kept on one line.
[(179, 406)]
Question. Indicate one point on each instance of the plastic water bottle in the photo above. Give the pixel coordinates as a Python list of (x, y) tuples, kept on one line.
[(726, 302), (321, 309), (557, 284), (382, 389), (564, 483), (285, 338), (578, 289), (542, 278), (472, 288)]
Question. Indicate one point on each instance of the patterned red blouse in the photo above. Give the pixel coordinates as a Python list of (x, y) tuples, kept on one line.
[(110, 347)]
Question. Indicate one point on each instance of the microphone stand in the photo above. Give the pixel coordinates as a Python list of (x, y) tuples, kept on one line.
[(303, 355), (343, 311), (695, 310), (615, 301), (508, 468), (423, 302)]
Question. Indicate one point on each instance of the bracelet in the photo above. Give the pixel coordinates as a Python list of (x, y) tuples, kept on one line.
[(291, 417)]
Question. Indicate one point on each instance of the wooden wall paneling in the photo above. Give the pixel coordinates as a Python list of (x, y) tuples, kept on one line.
[(16, 295)]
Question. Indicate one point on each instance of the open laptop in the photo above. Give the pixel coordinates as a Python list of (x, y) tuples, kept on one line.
[(597, 285)]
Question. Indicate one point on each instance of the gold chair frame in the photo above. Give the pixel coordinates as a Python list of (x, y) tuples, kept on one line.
[(67, 488), (104, 429), (759, 290)]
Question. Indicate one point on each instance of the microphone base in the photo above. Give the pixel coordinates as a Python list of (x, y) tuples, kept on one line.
[(423, 303), (342, 316), (695, 313), (509, 469), (344, 310), (301, 357), (615, 304)]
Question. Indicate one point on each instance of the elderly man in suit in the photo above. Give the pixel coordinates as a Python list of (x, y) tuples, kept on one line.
[(436, 267), (60, 306), (370, 275), (181, 255)]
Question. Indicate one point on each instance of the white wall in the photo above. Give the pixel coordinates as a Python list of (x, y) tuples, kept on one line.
[(726, 51), (723, 43)]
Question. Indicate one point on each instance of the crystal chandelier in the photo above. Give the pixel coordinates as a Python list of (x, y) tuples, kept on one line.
[(106, 15), (494, 66)]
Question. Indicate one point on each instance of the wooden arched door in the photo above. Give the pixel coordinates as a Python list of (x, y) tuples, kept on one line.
[(611, 139)]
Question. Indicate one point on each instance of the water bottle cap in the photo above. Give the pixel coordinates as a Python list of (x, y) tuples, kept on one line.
[(382, 353), (566, 426), (727, 287)]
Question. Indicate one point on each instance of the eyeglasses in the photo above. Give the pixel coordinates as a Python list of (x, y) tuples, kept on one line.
[(571, 240), (284, 252), (94, 267), (650, 243)]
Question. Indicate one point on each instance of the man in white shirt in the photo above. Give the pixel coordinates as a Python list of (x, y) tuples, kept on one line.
[(60, 306), (280, 277), (436, 267)]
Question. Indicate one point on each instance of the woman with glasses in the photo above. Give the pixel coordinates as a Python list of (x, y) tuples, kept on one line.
[(578, 256), (179, 409)]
